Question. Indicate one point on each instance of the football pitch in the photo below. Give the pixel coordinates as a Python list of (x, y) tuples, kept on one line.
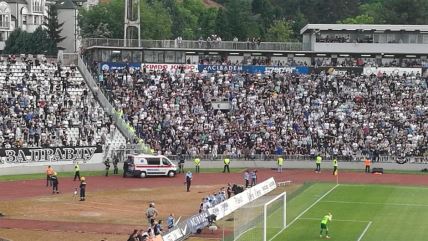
[(360, 213)]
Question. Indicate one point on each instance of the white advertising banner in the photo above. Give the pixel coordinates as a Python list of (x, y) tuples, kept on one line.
[(170, 67), (391, 71), (279, 69), (227, 207), (220, 210)]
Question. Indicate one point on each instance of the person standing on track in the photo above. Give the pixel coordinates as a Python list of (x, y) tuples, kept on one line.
[(324, 224), (334, 166), (115, 162), (188, 180), (226, 165), (197, 165), (82, 189), (76, 171), (151, 213), (318, 160), (54, 179), (181, 163), (253, 175), (367, 164), (107, 164), (247, 178), (49, 173), (125, 168), (280, 162)]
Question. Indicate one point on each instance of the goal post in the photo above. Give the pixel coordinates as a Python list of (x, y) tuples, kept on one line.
[(274, 216), (261, 219)]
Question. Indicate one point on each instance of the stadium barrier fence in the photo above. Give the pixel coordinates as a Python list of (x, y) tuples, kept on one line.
[(194, 44), (134, 149)]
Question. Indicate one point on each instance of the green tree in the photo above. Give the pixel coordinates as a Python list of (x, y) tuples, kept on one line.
[(54, 28), (222, 25), (10, 44), (208, 22), (155, 23), (240, 22), (397, 11), (360, 19), (41, 43), (108, 17), (279, 31), (298, 21), (38, 42)]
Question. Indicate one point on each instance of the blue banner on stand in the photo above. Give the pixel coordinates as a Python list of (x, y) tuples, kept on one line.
[(284, 69), (213, 68), (111, 66)]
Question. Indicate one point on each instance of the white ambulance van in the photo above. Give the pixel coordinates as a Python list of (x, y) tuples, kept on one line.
[(144, 165)]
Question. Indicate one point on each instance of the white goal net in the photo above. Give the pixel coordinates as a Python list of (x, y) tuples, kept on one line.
[(260, 220)]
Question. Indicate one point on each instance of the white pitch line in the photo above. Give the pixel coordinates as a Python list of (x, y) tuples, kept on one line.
[(304, 211), (364, 232), (376, 203), (339, 220)]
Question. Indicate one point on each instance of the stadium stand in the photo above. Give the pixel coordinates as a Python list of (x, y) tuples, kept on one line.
[(342, 115), (44, 104)]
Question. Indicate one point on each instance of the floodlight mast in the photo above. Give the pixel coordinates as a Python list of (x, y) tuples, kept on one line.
[(132, 23)]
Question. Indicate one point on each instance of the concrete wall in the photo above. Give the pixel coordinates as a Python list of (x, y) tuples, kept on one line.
[(68, 17)]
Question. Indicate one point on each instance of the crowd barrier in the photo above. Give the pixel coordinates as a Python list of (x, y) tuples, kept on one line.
[(199, 221), (133, 149)]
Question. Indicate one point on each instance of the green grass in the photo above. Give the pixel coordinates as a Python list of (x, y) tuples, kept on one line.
[(395, 213), (36, 176)]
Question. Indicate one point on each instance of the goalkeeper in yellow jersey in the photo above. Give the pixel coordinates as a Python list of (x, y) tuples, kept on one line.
[(324, 224)]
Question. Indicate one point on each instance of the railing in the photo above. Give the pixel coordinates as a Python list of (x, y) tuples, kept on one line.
[(105, 100), (120, 123), (194, 44)]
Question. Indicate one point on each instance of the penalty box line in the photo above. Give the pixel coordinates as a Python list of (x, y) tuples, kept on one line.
[(364, 232), (304, 211), (339, 220), (377, 203)]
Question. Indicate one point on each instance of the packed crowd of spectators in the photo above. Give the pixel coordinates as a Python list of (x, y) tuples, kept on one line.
[(43, 102), (222, 60), (341, 38), (274, 114), (215, 198), (365, 62), (314, 62)]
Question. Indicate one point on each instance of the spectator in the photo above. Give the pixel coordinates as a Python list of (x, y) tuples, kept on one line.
[(54, 179), (151, 213), (342, 115), (133, 236), (170, 221), (47, 105)]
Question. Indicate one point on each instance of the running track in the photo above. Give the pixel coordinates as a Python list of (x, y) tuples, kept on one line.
[(26, 189)]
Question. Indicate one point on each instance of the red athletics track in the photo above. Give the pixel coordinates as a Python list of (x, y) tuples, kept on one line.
[(33, 188), (25, 189)]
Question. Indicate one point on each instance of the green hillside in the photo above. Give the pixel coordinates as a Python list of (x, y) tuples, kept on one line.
[(269, 20)]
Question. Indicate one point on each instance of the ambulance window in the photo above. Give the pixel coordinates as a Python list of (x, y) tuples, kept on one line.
[(152, 161), (165, 162)]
